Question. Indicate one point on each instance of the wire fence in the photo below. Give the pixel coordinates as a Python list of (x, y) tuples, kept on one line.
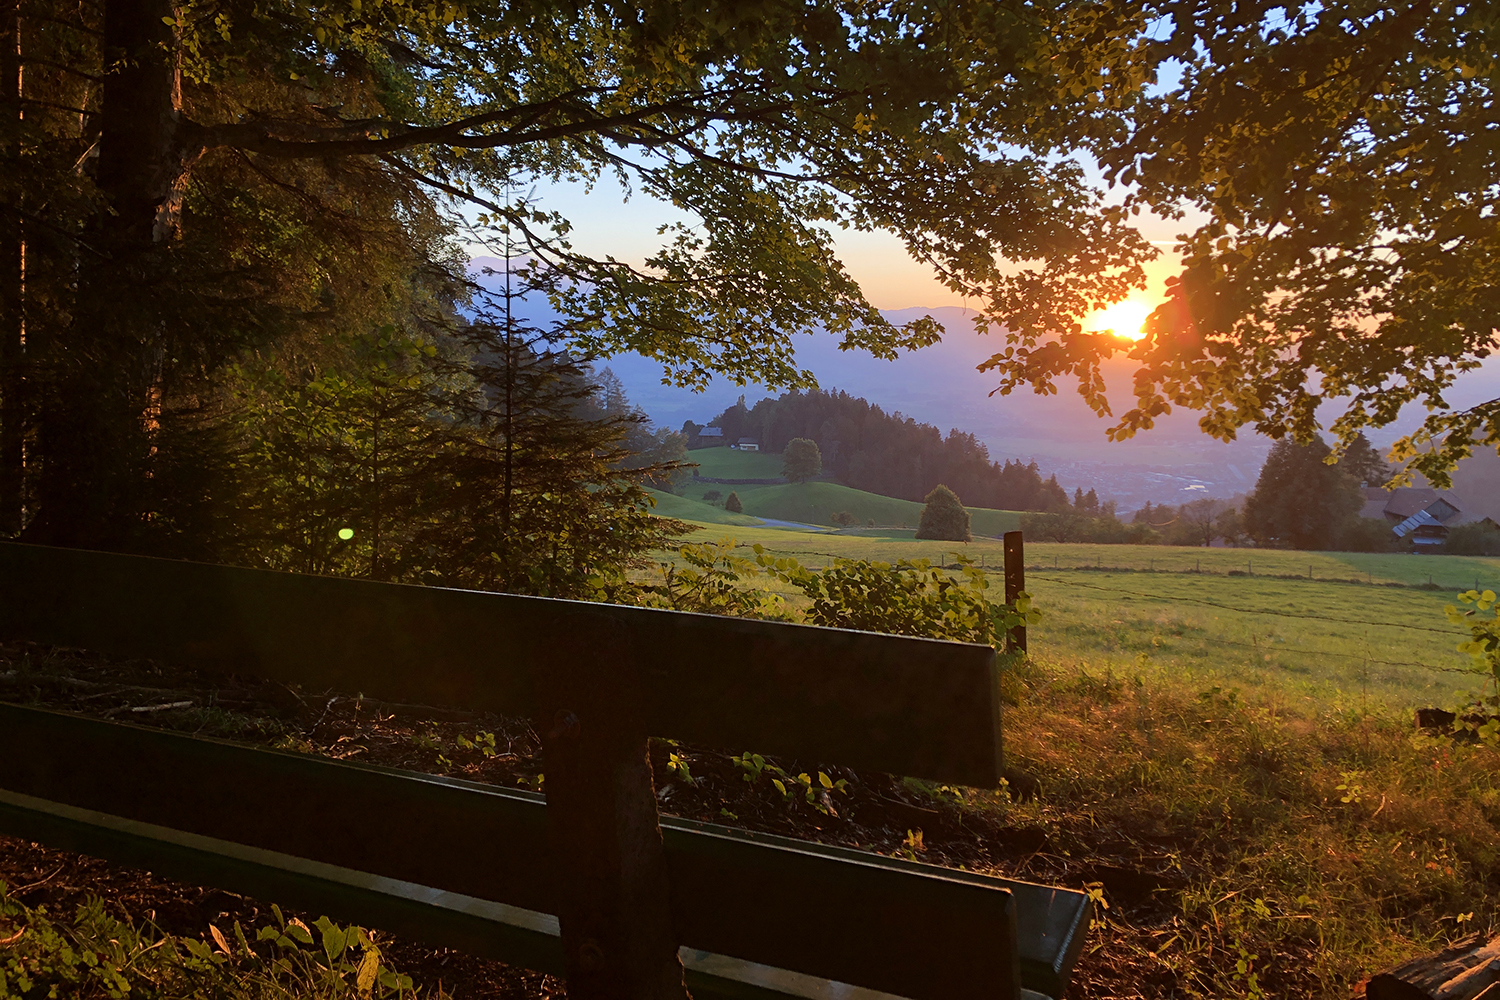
[(947, 561)]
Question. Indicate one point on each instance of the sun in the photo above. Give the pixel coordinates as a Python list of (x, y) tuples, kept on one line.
[(1123, 319)]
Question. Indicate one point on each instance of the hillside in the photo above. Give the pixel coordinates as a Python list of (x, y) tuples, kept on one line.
[(726, 463), (816, 503), (808, 503), (684, 509)]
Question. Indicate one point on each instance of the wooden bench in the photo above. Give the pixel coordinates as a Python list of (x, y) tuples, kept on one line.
[(588, 882)]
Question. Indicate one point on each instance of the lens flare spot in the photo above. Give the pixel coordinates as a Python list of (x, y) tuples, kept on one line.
[(346, 533), (1123, 319)]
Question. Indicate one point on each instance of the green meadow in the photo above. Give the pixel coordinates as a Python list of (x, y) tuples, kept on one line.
[(811, 503), (1332, 627), (727, 463)]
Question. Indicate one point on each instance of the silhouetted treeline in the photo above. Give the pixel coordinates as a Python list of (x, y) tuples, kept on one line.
[(889, 454)]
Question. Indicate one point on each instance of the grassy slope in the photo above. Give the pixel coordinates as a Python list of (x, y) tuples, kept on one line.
[(816, 502), (668, 505), (722, 463)]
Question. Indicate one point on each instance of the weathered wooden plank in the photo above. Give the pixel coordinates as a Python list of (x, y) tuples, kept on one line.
[(610, 868), (820, 911), (1468, 969), (908, 706)]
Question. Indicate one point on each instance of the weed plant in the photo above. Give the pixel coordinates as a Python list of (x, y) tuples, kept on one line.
[(95, 954)]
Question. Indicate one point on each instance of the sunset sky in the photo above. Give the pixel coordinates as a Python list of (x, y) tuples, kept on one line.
[(604, 223)]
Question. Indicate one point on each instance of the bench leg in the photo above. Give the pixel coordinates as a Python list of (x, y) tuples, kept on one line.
[(609, 864)]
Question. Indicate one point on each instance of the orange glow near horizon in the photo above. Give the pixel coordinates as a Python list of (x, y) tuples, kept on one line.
[(1123, 319)]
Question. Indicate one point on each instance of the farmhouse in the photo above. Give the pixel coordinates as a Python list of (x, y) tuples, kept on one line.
[(748, 444), (1420, 514), (714, 435)]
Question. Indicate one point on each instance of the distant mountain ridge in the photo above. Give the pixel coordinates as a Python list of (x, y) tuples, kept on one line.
[(940, 385)]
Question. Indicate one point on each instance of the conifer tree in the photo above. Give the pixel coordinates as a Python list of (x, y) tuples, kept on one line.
[(1363, 463), (733, 505), (1300, 501)]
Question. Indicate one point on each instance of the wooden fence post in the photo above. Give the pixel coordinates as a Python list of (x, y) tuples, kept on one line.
[(609, 865), (1015, 583)]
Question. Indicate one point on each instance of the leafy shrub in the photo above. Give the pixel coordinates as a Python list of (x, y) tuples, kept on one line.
[(1367, 534), (1478, 539), (944, 517), (908, 598), (843, 518), (712, 496), (98, 955), (710, 581)]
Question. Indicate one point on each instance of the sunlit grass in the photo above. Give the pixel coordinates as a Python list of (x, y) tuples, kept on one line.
[(1347, 634)]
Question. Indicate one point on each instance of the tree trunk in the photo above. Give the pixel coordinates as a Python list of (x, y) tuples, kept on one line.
[(101, 418), (12, 329), (1466, 970), (142, 159)]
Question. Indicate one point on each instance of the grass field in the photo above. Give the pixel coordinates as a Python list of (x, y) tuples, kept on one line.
[(1364, 629), (1220, 743), (725, 463), (704, 514), (815, 503), (812, 503)]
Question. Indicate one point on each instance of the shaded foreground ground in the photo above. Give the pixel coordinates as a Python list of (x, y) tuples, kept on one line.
[(1244, 846)]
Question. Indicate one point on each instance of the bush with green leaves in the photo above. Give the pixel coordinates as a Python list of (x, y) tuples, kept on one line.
[(708, 578), (944, 517), (97, 955), (1483, 646), (911, 597), (801, 460), (1479, 538)]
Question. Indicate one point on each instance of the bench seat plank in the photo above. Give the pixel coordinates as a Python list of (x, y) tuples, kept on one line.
[(907, 706), (824, 912)]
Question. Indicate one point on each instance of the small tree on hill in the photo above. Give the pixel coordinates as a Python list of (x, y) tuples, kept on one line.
[(944, 517), (802, 460), (843, 518), (733, 504), (1199, 520)]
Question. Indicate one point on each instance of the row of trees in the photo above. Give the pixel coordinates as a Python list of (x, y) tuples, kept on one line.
[(1300, 501), (862, 446)]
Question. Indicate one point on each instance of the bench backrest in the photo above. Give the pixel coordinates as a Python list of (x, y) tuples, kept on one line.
[(914, 707), (456, 861)]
